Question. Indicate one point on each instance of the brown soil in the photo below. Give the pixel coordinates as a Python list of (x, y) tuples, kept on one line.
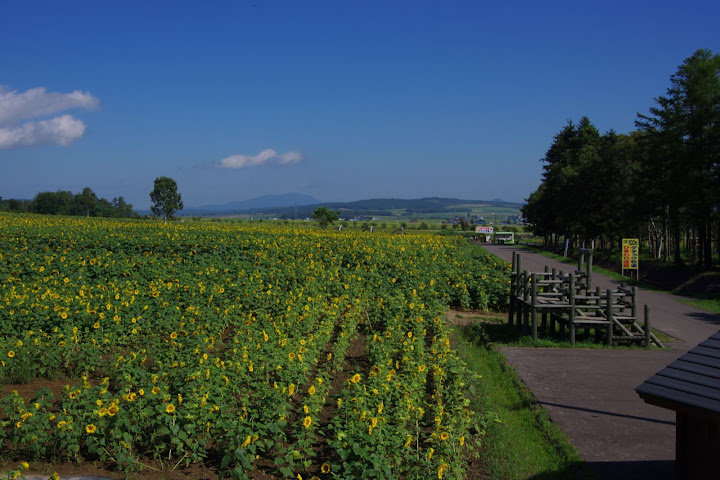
[(45, 470), (27, 390), (463, 318)]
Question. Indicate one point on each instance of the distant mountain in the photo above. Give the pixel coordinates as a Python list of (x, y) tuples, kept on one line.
[(294, 205), (264, 202)]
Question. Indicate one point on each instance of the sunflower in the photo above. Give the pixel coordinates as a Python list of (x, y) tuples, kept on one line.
[(307, 422), (325, 468), (356, 378), (90, 429), (11, 354), (170, 408)]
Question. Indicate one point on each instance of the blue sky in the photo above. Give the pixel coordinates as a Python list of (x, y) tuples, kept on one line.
[(341, 100)]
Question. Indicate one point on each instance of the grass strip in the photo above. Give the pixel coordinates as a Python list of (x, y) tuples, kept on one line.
[(504, 335), (523, 443), (711, 305)]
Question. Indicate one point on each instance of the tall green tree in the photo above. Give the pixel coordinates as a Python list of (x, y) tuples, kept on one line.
[(562, 204), (53, 203), (121, 208), (87, 200), (683, 132), (166, 198), (324, 216)]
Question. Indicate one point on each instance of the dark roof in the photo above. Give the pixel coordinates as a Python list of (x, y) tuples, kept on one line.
[(691, 384)]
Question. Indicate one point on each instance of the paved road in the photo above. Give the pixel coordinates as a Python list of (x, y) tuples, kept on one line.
[(590, 393)]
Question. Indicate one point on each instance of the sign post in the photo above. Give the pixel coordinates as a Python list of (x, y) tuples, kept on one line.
[(487, 231), (630, 253)]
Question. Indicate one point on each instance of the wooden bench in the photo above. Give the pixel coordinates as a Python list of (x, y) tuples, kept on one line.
[(566, 300)]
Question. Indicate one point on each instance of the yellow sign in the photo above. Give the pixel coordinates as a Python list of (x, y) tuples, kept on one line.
[(630, 253)]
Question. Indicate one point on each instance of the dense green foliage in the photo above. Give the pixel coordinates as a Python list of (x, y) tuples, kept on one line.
[(166, 198), (14, 205), (325, 216), (661, 182), (85, 203)]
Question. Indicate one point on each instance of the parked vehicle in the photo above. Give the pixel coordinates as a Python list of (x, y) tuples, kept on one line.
[(505, 237)]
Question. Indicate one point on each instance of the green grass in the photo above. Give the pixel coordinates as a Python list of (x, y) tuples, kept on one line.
[(504, 335), (711, 305), (523, 443)]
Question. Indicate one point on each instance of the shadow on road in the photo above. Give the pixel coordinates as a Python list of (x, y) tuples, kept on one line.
[(706, 317), (612, 414), (642, 470)]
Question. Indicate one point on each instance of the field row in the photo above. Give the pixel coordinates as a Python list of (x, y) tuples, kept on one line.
[(248, 349)]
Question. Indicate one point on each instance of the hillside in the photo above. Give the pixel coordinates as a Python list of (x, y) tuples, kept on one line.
[(430, 207)]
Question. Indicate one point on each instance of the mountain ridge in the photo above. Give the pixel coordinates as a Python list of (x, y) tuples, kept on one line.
[(301, 206)]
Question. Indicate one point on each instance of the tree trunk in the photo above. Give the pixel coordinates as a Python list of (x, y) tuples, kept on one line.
[(701, 244), (708, 248), (678, 258)]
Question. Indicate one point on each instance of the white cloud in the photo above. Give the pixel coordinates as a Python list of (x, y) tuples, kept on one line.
[(57, 131), (35, 103), (266, 157)]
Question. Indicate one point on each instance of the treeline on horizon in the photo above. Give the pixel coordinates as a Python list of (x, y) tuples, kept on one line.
[(85, 203), (660, 183), (378, 207)]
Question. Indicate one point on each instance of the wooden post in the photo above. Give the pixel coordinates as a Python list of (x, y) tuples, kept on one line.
[(646, 325), (609, 315), (518, 288), (526, 300), (581, 258), (597, 311), (513, 288), (520, 295), (553, 276), (533, 307), (571, 315)]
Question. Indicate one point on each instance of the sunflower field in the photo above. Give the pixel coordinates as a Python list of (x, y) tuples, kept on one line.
[(255, 350)]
